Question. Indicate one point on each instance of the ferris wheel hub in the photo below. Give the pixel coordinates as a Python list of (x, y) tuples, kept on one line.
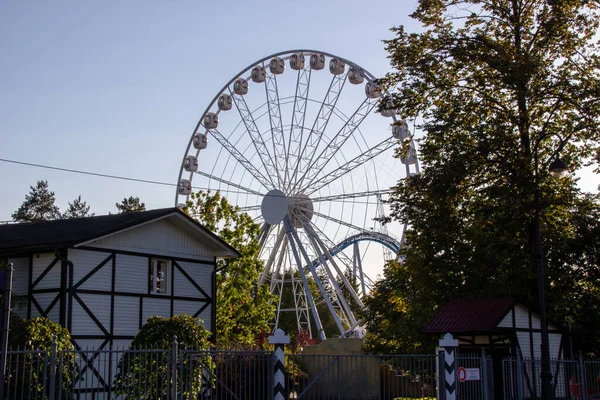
[(276, 205)]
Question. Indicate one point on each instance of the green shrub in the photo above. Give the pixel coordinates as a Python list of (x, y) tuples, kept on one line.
[(144, 371), (26, 368)]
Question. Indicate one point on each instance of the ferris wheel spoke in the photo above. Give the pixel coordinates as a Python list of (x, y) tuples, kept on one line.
[(293, 235), (345, 196), (324, 259), (235, 185), (350, 165), (329, 256), (298, 115), (337, 142), (319, 125), (358, 269), (274, 252), (267, 183), (274, 107), (261, 148), (315, 277)]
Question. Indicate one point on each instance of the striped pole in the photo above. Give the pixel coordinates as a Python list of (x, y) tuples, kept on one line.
[(449, 344), (279, 339)]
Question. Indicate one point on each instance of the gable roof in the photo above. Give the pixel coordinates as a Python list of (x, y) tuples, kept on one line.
[(469, 316), (49, 235)]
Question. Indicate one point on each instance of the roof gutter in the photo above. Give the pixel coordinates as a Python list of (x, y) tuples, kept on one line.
[(65, 278)]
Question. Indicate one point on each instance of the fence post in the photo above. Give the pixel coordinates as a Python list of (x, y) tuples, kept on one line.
[(173, 381), (53, 362), (520, 376), (582, 377), (449, 344), (279, 339), (484, 375)]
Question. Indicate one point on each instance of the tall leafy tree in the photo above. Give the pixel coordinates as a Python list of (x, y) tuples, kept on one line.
[(38, 205), (487, 81), (244, 309), (131, 204), (78, 209)]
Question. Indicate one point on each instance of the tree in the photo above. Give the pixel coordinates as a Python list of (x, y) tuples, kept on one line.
[(244, 309), (486, 81), (145, 374), (78, 209), (38, 205), (131, 204)]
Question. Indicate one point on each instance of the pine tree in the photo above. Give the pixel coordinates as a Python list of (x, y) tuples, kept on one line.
[(38, 205), (77, 209), (131, 204)]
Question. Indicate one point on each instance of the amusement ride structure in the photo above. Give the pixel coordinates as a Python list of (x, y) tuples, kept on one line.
[(295, 140)]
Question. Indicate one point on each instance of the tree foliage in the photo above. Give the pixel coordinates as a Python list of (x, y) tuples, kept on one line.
[(144, 374), (490, 84), (131, 204), (244, 309), (38, 205), (77, 209)]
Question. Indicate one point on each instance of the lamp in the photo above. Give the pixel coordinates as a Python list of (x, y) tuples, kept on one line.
[(557, 168)]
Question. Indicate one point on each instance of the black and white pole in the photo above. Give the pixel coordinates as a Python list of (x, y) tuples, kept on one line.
[(449, 345), (279, 339)]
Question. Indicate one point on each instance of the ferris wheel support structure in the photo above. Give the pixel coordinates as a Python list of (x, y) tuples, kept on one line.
[(288, 149)]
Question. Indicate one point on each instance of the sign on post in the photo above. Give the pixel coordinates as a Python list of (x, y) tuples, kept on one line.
[(468, 374)]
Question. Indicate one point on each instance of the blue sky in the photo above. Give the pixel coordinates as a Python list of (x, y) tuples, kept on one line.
[(117, 87)]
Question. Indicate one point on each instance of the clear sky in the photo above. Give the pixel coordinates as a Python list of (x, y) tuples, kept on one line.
[(117, 87)]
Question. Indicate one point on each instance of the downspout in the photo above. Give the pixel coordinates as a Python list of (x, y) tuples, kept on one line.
[(213, 306), (64, 280)]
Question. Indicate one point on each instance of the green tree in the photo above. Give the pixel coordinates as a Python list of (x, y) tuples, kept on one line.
[(244, 309), (37, 334), (38, 205), (144, 374), (77, 209), (486, 81), (131, 204)]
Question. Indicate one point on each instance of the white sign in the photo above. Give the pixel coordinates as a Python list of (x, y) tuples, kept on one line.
[(472, 374), (468, 374)]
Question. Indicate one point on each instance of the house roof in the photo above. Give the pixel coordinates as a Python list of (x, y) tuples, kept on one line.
[(469, 316), (50, 235)]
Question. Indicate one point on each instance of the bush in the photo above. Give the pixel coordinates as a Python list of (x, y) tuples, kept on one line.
[(25, 369), (145, 370)]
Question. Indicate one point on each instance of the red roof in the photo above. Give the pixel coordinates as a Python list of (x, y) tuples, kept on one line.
[(469, 316)]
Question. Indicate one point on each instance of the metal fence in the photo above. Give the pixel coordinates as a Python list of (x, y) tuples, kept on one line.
[(349, 377), (138, 374), (571, 379), (480, 382)]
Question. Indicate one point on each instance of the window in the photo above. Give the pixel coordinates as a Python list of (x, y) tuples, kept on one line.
[(159, 273)]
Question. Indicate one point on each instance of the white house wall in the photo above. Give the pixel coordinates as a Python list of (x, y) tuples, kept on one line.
[(127, 320), (157, 237), (85, 262), (52, 278), (131, 274)]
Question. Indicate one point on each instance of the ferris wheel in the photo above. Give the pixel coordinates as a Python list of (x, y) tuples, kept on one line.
[(295, 140)]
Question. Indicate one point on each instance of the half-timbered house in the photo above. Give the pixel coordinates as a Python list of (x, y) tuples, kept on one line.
[(102, 277)]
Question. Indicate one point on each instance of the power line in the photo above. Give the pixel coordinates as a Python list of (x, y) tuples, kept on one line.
[(124, 178)]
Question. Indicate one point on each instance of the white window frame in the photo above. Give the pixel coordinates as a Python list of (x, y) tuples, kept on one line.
[(165, 280)]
